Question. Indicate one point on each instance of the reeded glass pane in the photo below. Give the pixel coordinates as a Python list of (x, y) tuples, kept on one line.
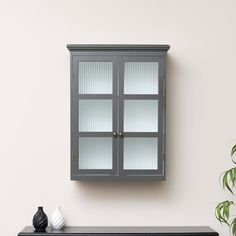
[(95, 115), (141, 78), (140, 153), (140, 115), (95, 78), (95, 153)]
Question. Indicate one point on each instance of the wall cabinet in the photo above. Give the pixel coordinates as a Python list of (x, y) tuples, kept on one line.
[(118, 111)]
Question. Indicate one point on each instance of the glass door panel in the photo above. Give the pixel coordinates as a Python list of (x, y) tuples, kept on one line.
[(95, 77), (139, 119), (141, 78), (140, 116), (140, 153), (95, 115), (95, 153), (96, 92)]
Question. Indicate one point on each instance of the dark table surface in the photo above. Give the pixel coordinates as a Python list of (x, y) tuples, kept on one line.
[(29, 230)]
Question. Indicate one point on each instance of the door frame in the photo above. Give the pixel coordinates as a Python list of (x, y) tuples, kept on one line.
[(75, 97), (160, 97)]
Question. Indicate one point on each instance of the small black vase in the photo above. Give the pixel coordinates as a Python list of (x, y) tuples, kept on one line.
[(40, 220)]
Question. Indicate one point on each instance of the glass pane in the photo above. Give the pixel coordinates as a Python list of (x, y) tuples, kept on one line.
[(141, 78), (140, 116), (140, 153), (95, 153), (95, 115), (95, 78)]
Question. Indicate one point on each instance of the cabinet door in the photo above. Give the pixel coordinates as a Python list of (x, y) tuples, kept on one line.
[(93, 115), (141, 119)]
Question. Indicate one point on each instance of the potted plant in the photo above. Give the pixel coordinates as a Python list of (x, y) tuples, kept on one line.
[(222, 211)]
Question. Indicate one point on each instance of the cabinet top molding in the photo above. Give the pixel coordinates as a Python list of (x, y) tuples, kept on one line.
[(129, 47)]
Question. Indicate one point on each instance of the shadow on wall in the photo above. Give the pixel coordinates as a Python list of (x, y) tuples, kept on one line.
[(126, 190)]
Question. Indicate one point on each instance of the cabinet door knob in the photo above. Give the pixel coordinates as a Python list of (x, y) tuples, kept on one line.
[(121, 134), (114, 134)]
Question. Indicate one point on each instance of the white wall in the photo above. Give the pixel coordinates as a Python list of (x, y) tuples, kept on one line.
[(34, 105)]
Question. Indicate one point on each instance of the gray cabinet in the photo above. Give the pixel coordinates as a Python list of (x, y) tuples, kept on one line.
[(118, 111)]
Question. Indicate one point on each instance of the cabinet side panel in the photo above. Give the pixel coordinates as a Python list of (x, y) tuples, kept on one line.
[(74, 117)]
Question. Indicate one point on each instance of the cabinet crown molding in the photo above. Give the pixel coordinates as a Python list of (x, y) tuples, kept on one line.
[(129, 47)]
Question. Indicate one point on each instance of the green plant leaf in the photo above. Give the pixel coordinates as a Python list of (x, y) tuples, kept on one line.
[(229, 179), (233, 151), (225, 181), (222, 211), (233, 227)]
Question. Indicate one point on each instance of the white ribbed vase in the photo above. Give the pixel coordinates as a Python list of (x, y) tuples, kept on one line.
[(57, 220)]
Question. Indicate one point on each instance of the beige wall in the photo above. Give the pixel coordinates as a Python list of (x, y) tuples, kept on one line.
[(34, 103)]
